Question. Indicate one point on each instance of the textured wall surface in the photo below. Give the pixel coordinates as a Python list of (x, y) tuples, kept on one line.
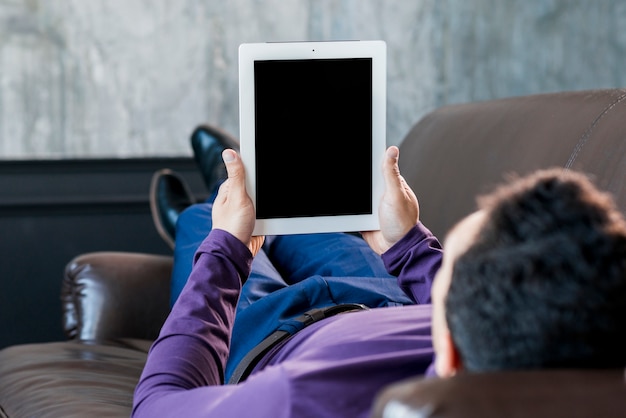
[(120, 78)]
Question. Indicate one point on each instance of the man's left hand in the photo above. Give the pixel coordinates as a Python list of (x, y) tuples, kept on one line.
[(233, 210)]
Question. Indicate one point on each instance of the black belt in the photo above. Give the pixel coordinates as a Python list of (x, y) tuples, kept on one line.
[(245, 366)]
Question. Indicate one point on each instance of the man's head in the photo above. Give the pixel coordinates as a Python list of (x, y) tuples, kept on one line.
[(536, 278)]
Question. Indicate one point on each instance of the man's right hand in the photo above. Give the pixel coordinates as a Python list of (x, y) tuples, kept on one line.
[(398, 211), (233, 210)]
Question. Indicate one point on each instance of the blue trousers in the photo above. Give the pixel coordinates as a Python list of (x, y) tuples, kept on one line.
[(290, 275)]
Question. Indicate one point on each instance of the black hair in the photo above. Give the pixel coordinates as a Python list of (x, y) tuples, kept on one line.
[(543, 285)]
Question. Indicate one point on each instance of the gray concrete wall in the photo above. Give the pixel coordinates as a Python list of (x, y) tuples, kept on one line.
[(132, 78)]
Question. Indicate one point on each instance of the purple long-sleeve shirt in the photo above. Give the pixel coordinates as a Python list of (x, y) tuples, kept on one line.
[(333, 368)]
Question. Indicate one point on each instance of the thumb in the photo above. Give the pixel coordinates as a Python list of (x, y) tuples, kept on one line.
[(234, 169), (391, 172)]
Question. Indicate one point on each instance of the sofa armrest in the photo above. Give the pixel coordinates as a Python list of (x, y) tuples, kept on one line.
[(112, 295), (530, 393)]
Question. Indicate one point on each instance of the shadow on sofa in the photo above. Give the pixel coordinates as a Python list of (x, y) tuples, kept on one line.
[(114, 303)]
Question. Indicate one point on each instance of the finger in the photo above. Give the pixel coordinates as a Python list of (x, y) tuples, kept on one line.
[(222, 192)]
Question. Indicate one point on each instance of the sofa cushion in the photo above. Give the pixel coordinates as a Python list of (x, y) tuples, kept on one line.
[(70, 379)]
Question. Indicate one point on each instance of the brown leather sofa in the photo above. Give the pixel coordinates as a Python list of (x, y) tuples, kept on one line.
[(114, 303)]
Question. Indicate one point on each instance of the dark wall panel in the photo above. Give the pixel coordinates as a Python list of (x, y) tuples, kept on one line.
[(52, 211)]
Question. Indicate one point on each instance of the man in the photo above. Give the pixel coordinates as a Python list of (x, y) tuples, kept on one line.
[(335, 366), (356, 353)]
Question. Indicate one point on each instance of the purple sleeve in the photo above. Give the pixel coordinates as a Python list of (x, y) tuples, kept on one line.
[(193, 345), (415, 260)]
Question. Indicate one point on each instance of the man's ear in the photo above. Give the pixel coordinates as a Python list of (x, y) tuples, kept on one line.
[(448, 361)]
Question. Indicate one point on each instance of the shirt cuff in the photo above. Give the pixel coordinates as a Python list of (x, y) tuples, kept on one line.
[(406, 243)]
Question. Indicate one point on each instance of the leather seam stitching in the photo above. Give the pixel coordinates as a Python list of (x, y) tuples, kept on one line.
[(585, 138)]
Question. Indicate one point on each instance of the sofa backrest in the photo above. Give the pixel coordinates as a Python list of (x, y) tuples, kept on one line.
[(459, 151)]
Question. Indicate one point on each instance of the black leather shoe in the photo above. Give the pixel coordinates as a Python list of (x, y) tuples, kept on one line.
[(169, 196), (208, 142)]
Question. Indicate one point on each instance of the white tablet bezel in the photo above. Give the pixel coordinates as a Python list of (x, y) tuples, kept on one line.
[(251, 52)]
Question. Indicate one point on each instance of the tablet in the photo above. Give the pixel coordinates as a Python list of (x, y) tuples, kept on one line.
[(312, 131)]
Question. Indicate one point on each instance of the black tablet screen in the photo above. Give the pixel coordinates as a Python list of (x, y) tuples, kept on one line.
[(313, 137)]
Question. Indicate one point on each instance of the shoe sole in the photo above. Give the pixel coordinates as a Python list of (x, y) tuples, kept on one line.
[(154, 211)]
